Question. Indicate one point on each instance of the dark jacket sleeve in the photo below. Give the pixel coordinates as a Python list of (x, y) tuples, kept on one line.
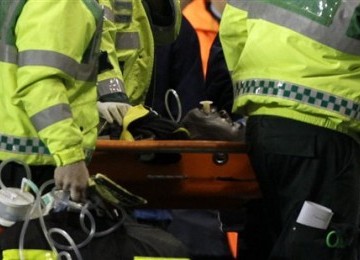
[(218, 81), (178, 66)]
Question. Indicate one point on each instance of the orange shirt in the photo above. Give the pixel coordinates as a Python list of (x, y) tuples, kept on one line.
[(206, 27)]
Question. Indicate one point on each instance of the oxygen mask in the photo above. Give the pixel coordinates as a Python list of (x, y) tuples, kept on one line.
[(206, 123)]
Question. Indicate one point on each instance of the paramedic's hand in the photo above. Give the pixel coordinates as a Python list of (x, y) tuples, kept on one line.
[(111, 111), (74, 178)]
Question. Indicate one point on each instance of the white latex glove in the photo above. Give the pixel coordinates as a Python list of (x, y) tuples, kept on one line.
[(74, 178), (111, 111)]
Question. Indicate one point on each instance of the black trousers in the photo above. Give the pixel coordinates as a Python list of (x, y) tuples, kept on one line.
[(294, 162), (12, 174)]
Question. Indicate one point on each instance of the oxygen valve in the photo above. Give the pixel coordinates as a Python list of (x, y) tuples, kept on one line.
[(206, 106)]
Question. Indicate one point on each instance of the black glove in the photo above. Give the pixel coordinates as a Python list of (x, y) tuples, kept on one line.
[(141, 123)]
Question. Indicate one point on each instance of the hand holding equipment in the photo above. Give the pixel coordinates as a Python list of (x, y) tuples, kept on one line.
[(74, 178), (113, 111)]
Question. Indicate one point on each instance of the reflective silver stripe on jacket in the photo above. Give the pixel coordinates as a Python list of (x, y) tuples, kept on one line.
[(306, 95), (116, 18), (109, 86), (123, 4), (51, 116), (123, 11), (333, 35), (127, 41), (55, 60), (87, 72), (8, 53), (22, 145)]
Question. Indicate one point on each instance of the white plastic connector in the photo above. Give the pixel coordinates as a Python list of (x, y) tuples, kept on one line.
[(206, 106)]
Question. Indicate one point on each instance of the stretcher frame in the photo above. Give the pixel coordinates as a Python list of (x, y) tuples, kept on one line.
[(209, 174)]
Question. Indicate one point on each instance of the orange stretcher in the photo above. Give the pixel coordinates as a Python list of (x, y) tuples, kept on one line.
[(207, 174)]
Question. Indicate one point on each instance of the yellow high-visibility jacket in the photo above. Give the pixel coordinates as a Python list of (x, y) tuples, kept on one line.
[(110, 79), (295, 59), (135, 40), (48, 68)]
